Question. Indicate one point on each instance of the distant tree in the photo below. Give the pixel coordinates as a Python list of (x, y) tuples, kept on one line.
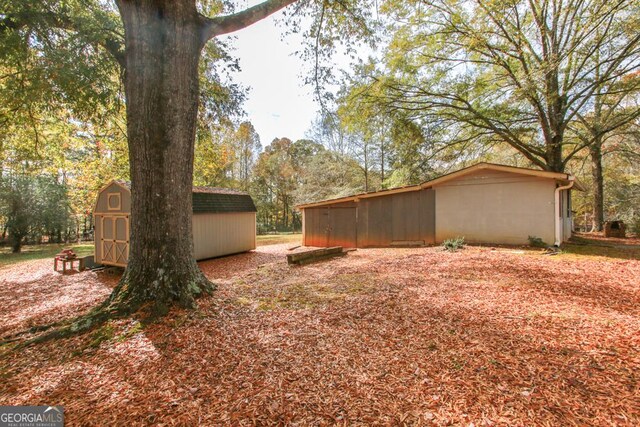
[(274, 183), (17, 197), (614, 108), (327, 175), (329, 131), (33, 206), (214, 156), (246, 143), (409, 154)]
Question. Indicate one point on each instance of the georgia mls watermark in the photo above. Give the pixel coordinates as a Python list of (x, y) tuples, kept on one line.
[(31, 416)]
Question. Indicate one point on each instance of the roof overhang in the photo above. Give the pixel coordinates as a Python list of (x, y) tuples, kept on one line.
[(561, 177)]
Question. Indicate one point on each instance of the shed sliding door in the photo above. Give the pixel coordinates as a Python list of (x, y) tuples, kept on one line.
[(326, 227)]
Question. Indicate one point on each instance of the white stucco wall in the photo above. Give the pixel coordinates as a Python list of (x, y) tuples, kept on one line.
[(495, 207)]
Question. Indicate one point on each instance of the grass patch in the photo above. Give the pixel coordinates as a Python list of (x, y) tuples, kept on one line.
[(305, 295), (276, 239), (598, 250), (35, 252)]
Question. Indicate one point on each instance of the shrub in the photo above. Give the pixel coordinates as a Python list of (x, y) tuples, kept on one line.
[(454, 244), (537, 242), (635, 226)]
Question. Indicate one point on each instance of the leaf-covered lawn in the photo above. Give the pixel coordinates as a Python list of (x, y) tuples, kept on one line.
[(383, 336)]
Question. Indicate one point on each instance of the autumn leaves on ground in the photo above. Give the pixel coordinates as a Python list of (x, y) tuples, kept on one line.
[(483, 336)]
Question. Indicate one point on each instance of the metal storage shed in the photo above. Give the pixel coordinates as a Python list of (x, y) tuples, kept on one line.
[(485, 203), (224, 223)]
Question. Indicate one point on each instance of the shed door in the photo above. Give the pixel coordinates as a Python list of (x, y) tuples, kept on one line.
[(342, 227), (114, 240), (330, 227)]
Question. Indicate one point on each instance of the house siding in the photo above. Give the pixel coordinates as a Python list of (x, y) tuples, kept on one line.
[(217, 234), (495, 207)]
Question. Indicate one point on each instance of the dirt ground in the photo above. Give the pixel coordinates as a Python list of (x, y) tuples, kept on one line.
[(483, 336)]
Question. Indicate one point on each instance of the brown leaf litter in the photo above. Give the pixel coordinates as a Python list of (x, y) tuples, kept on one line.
[(381, 337)]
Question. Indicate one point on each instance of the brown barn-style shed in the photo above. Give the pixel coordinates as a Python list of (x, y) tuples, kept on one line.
[(485, 203), (224, 223)]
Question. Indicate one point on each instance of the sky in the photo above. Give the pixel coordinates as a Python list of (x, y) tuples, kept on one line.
[(278, 103)]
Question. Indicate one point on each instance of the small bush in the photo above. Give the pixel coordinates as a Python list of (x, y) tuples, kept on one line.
[(454, 244), (635, 226), (537, 242)]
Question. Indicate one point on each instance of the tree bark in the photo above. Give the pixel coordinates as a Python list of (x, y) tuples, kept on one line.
[(595, 153), (554, 160), (16, 244), (163, 46)]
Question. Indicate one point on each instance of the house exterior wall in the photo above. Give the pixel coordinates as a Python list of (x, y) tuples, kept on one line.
[(495, 207), (218, 234), (566, 216)]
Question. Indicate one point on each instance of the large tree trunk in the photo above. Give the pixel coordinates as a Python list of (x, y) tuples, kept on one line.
[(595, 152), (554, 159), (164, 42), (16, 244)]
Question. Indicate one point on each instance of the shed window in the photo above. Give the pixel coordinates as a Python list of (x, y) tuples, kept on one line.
[(113, 201)]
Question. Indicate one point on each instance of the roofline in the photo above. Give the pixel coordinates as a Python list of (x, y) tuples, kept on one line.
[(447, 177), (113, 181), (195, 189)]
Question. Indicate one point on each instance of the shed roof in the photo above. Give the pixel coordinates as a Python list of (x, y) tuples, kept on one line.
[(211, 199), (217, 202), (558, 176)]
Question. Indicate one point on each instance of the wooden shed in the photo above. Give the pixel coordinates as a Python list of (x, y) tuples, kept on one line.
[(485, 203), (224, 223), (399, 218)]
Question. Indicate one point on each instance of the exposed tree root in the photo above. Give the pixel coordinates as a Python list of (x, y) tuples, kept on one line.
[(130, 296)]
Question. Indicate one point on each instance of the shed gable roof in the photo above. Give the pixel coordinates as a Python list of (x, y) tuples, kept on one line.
[(559, 176), (215, 202), (209, 199)]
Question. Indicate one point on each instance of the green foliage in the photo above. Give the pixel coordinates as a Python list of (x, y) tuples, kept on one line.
[(536, 242), (452, 245), (273, 185), (33, 207), (488, 75)]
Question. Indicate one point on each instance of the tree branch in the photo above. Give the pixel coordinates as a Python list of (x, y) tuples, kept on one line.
[(220, 25), (113, 45)]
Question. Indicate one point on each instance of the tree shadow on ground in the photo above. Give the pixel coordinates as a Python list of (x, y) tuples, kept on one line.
[(387, 357), (431, 344)]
